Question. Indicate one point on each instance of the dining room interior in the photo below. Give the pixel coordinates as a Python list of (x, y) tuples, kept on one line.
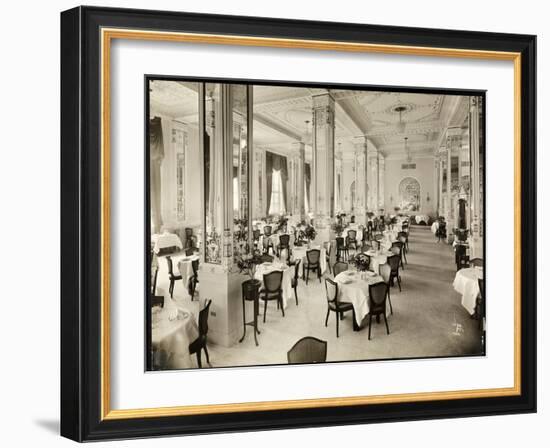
[(294, 224)]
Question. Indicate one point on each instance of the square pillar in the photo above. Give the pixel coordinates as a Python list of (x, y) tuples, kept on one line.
[(361, 187), (322, 198)]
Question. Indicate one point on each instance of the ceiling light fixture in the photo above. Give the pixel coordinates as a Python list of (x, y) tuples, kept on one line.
[(400, 125)]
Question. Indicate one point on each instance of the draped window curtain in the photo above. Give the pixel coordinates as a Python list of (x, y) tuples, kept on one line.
[(275, 163), (156, 155), (307, 179)]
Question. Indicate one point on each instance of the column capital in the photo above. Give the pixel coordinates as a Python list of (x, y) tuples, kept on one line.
[(299, 146), (322, 100), (360, 141)]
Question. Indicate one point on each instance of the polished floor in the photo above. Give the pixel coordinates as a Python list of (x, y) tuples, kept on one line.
[(428, 319)]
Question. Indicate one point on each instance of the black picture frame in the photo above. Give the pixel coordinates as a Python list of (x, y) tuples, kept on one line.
[(81, 224)]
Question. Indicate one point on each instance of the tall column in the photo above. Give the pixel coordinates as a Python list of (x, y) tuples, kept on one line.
[(435, 199), (322, 200), (361, 188), (381, 180), (372, 155), (441, 197), (476, 249), (298, 151), (448, 200)]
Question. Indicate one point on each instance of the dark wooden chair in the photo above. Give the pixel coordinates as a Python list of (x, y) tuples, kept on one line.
[(394, 261), (189, 238), (194, 280), (476, 262), (189, 251), (404, 238), (328, 249), (284, 243), (313, 263), (295, 279), (199, 344), (351, 240), (461, 259), (377, 303), (341, 249), (267, 230), (441, 232), (272, 290), (339, 266), (307, 350), (376, 240), (385, 273), (173, 277), (335, 305), (400, 245), (156, 300)]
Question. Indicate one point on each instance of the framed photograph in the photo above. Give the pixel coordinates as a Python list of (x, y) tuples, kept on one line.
[(274, 223)]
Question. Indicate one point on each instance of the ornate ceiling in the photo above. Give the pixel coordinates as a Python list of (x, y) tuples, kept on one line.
[(282, 115)]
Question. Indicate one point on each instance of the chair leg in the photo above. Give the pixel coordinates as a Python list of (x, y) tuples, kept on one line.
[(206, 353), (171, 289), (319, 273), (389, 300), (386, 321), (326, 320), (337, 326), (265, 309), (280, 300), (307, 275), (296, 295), (199, 358), (399, 282), (370, 324)]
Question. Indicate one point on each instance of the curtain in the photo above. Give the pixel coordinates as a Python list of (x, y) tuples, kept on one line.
[(308, 181), (279, 164), (156, 155), (268, 179)]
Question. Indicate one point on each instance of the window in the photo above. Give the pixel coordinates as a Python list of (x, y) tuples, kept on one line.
[(277, 206)]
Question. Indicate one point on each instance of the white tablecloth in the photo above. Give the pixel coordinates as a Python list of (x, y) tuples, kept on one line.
[(356, 292), (466, 284), (435, 227), (173, 329), (164, 240), (377, 258), (300, 253), (185, 268), (286, 286)]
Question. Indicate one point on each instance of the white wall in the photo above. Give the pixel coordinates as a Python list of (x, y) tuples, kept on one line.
[(30, 185), (424, 174)]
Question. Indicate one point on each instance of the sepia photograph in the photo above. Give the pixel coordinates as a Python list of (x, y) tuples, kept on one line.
[(302, 223)]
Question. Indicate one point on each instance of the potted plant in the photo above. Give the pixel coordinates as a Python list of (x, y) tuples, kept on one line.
[(247, 264), (310, 234), (360, 262), (338, 228)]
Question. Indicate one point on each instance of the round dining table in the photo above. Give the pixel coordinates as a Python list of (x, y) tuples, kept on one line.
[(299, 253), (173, 328), (466, 283), (378, 257), (353, 287)]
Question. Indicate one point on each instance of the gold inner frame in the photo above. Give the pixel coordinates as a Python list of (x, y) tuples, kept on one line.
[(107, 35)]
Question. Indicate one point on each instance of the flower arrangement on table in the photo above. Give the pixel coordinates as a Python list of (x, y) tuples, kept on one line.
[(361, 262), (310, 233), (337, 227), (247, 263)]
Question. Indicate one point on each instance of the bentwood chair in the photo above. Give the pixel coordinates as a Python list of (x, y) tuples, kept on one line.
[(351, 240), (404, 238), (394, 261), (339, 266), (173, 277), (295, 279), (313, 263), (272, 290), (377, 303), (307, 350), (194, 280), (284, 243), (199, 344), (398, 245), (385, 273), (341, 249), (461, 259), (476, 262), (335, 305), (328, 249)]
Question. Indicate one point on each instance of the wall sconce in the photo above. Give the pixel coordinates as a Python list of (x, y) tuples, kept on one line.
[(427, 197)]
